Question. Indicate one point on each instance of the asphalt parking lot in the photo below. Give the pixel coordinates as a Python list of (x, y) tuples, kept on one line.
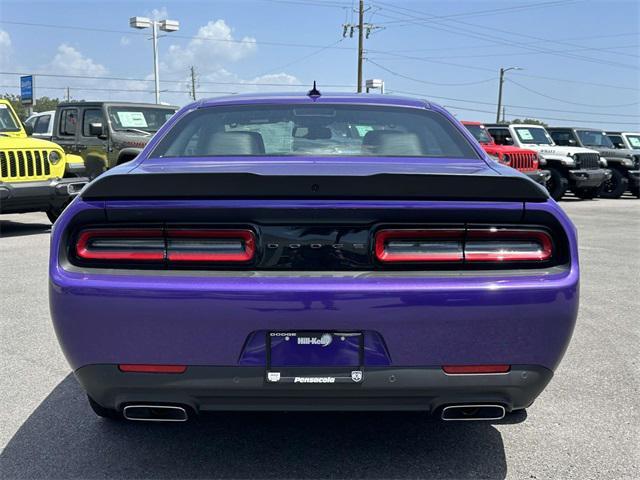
[(585, 425)]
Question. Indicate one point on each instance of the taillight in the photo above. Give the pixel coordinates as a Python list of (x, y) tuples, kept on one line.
[(459, 245), (505, 245), (142, 244), (210, 245), (158, 245), (419, 245)]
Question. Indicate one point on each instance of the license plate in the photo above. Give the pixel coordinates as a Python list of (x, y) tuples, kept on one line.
[(314, 357)]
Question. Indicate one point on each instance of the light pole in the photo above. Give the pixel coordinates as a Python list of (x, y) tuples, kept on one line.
[(502, 72), (164, 25)]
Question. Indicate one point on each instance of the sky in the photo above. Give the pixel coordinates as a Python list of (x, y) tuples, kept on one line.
[(579, 59)]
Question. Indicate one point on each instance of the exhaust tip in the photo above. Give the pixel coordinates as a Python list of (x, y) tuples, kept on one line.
[(155, 413), (460, 413)]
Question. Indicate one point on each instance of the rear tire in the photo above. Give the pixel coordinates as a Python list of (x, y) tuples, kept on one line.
[(615, 186), (587, 193), (103, 412), (54, 212), (557, 184)]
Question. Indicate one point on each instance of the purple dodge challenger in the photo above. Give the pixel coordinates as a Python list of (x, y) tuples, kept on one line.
[(313, 252)]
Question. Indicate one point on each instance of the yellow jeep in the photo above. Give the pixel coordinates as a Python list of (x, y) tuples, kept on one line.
[(35, 175)]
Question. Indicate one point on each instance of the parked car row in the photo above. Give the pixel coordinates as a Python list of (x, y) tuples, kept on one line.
[(48, 160), (35, 174), (80, 140), (585, 161)]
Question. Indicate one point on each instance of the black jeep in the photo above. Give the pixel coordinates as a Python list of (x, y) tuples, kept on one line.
[(107, 134)]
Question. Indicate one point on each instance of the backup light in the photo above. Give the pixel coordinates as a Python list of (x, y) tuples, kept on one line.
[(419, 245)]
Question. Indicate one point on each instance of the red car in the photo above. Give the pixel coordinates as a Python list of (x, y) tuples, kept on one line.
[(525, 161)]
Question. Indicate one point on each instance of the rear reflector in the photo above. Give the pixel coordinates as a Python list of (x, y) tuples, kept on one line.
[(137, 368), (504, 245), (419, 245), (157, 245), (471, 369), (210, 245)]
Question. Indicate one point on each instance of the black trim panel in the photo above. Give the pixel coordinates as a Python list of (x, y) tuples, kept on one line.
[(383, 186), (210, 388)]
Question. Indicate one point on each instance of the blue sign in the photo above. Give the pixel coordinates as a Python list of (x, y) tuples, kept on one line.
[(26, 90)]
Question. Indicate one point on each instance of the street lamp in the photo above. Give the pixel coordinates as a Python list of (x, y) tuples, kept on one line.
[(164, 25), (502, 72)]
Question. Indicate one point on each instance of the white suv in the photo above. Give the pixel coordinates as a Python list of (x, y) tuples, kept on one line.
[(41, 124), (576, 168)]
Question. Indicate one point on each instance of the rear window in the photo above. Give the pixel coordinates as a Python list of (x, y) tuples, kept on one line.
[(318, 130)]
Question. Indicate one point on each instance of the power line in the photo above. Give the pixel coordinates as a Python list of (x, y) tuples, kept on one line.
[(470, 109), (300, 59), (511, 54), (493, 11), (119, 90), (567, 101), (173, 35), (493, 104), (412, 19), (394, 73), (130, 79)]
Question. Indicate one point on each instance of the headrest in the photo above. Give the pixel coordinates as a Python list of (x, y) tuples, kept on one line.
[(388, 142), (236, 143)]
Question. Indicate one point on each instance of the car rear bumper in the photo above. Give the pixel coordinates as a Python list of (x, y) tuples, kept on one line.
[(539, 176), (17, 197), (588, 178), (210, 388)]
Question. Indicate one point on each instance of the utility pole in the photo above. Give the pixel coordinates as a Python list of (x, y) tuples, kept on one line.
[(364, 30), (156, 71), (193, 83), (502, 72), (504, 114), (360, 42), (68, 94)]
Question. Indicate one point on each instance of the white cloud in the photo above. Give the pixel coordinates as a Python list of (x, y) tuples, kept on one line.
[(159, 13), (5, 48), (72, 62), (5, 41), (124, 41), (214, 44)]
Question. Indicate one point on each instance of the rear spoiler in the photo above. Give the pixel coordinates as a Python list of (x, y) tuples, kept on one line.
[(383, 186)]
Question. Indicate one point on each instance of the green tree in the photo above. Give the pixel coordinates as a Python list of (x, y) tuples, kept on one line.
[(42, 104), (531, 121)]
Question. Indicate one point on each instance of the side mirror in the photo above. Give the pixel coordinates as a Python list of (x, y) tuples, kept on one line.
[(96, 130), (620, 145), (28, 128), (508, 141), (572, 142)]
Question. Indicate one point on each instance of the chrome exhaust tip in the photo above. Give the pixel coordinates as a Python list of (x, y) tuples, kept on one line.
[(461, 413), (155, 413)]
